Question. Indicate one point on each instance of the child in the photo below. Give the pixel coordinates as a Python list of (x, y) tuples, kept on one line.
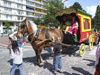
[(57, 60), (16, 55)]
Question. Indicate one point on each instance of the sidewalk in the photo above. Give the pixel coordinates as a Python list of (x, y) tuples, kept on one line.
[(4, 41)]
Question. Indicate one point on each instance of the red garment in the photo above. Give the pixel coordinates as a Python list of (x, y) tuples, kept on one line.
[(23, 40), (96, 72), (73, 28)]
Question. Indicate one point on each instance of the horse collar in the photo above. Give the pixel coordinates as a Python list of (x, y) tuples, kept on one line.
[(36, 35)]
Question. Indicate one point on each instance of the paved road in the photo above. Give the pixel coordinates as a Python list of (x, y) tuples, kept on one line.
[(4, 41), (72, 65)]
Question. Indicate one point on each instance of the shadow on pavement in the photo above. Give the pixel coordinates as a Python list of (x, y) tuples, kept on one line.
[(48, 66), (66, 73), (91, 62), (81, 71)]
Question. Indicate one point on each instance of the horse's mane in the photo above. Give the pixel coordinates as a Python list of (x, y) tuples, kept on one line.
[(33, 25)]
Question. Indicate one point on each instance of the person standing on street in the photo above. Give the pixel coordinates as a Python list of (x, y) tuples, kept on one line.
[(16, 55), (97, 62), (57, 59)]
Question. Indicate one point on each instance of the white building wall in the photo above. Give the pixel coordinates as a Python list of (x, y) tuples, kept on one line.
[(14, 15), (1, 27)]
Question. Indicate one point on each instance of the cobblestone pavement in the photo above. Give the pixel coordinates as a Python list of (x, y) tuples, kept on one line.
[(72, 65)]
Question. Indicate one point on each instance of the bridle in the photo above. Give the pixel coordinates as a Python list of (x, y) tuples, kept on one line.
[(23, 26), (22, 32)]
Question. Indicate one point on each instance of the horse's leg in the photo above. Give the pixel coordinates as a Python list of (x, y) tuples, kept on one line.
[(40, 60), (36, 52)]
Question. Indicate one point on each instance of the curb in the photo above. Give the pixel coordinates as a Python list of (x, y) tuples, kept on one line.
[(6, 45)]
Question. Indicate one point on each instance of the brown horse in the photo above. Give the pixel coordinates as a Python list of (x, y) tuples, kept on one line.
[(37, 37)]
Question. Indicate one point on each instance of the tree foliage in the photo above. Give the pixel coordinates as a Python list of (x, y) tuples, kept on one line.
[(38, 21), (7, 24), (96, 19), (53, 6), (77, 5)]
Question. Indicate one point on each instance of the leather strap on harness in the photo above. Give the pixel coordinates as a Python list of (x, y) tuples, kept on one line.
[(47, 34), (37, 33)]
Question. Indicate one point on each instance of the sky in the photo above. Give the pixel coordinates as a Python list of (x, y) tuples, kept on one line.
[(87, 5)]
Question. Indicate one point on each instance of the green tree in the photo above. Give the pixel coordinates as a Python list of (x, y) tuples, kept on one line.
[(93, 22), (7, 24), (97, 17), (38, 21), (77, 5), (53, 6)]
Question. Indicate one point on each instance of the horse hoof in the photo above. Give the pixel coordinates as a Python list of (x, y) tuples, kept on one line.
[(41, 64)]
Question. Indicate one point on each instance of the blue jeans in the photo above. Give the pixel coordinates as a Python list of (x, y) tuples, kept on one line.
[(57, 62), (15, 67)]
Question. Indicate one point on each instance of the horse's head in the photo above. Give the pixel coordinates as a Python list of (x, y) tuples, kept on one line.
[(23, 28), (26, 27)]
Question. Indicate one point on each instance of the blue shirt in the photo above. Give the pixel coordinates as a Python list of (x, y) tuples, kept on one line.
[(19, 42)]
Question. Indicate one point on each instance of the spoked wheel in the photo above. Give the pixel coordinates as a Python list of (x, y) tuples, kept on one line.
[(90, 42), (82, 50)]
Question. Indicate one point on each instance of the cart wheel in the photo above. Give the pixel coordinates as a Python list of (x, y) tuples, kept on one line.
[(82, 50), (90, 42)]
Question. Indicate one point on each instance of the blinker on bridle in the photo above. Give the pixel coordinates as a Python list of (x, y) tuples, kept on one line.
[(23, 26)]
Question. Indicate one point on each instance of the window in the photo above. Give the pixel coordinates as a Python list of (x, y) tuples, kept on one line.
[(17, 24), (6, 3), (9, 17), (30, 9), (6, 16), (20, 12), (28, 13), (20, 18), (19, 6), (9, 4), (29, 3), (37, 5), (7, 10), (86, 24), (20, 0)]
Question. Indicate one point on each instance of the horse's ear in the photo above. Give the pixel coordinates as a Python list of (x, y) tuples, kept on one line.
[(24, 20)]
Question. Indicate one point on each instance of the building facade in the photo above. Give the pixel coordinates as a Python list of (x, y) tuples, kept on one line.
[(15, 10)]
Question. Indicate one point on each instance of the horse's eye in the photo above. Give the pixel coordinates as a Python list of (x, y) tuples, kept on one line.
[(23, 25)]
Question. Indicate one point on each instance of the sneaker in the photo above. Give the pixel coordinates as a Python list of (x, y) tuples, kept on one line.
[(60, 71), (54, 73)]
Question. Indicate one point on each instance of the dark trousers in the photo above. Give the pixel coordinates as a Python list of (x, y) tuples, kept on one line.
[(98, 66)]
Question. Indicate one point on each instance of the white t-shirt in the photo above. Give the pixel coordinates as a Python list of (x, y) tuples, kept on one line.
[(17, 58)]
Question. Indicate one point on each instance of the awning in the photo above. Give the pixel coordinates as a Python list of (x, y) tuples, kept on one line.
[(29, 6)]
